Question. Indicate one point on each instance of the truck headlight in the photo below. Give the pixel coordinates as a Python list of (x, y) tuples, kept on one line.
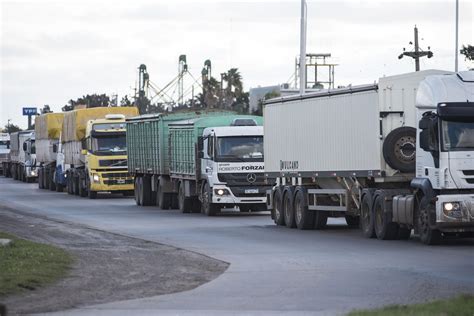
[(33, 173), (96, 178), (452, 209), (221, 192)]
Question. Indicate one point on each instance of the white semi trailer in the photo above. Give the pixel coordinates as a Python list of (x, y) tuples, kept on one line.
[(394, 156)]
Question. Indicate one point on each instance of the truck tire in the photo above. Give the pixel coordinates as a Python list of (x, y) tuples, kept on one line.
[(196, 207), (185, 204), (320, 220), (428, 236), (145, 192), (75, 186), (209, 208), (304, 218), (385, 229), (288, 207), (399, 149), (367, 216), (352, 221), (40, 178), (46, 178), (83, 191), (136, 189), (92, 194), (52, 185), (162, 199), (278, 216)]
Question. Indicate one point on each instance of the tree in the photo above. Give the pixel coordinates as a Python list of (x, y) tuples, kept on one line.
[(125, 101), (233, 88), (268, 95), (468, 52), (11, 128), (89, 101)]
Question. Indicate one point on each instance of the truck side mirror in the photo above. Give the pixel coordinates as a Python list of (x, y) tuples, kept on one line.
[(55, 148), (84, 144), (200, 154), (425, 140), (25, 147)]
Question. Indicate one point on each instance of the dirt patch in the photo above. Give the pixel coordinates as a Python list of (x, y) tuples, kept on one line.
[(107, 267)]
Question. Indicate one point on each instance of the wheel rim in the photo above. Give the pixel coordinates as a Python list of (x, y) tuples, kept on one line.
[(365, 216), (298, 210), (378, 217), (287, 209)]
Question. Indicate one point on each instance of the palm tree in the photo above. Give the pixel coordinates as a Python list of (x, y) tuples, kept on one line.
[(234, 86)]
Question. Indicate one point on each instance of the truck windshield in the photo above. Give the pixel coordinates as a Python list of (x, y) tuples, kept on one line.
[(109, 145), (457, 136), (240, 148)]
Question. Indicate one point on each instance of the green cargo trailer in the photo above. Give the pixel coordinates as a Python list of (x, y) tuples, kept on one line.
[(184, 137)]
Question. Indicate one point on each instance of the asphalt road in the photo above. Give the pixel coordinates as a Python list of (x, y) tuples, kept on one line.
[(272, 269)]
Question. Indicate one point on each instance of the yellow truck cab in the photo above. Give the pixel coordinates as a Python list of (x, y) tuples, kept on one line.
[(105, 156)]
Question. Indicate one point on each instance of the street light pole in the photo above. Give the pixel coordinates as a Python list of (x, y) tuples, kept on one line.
[(8, 126)]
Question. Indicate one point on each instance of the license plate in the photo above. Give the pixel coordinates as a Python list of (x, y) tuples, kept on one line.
[(120, 181), (251, 191)]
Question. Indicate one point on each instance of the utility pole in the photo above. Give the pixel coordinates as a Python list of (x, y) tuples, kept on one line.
[(456, 52), (303, 47), (417, 53)]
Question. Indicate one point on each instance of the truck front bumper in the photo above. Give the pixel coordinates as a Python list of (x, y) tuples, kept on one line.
[(455, 213), (239, 195), (110, 181)]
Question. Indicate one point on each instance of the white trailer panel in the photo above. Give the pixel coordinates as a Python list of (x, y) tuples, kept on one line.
[(45, 150)]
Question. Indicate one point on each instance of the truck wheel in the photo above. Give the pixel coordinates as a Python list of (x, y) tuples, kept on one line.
[(428, 236), (40, 178), (385, 229), (145, 192), (162, 199), (208, 207), (320, 220), (185, 204), (367, 216), (352, 221), (92, 195), (399, 149), (137, 190), (278, 216), (76, 184), (52, 185), (304, 218), (83, 190), (288, 208), (45, 178)]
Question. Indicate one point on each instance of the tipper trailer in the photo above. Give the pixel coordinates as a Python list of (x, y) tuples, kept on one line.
[(23, 156), (394, 156), (198, 161), (48, 128), (93, 157)]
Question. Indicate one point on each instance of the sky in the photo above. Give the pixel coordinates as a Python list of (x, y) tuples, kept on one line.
[(53, 51)]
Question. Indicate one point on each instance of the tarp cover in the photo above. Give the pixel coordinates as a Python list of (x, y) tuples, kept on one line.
[(75, 122), (49, 125)]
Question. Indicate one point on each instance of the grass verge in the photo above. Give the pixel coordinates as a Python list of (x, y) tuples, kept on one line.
[(26, 265), (458, 306)]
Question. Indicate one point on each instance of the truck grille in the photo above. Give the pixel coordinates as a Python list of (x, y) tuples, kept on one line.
[(468, 172), (234, 179), (118, 181), (240, 191), (113, 163), (116, 175)]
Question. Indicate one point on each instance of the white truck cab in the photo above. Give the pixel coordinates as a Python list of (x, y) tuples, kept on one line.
[(233, 165)]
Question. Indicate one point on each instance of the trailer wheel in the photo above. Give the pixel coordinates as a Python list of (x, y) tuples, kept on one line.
[(385, 229), (76, 184), (83, 190), (145, 191), (278, 216), (428, 236), (137, 190), (162, 199), (185, 204), (320, 220), (304, 218), (288, 207), (367, 216), (399, 149), (352, 221)]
